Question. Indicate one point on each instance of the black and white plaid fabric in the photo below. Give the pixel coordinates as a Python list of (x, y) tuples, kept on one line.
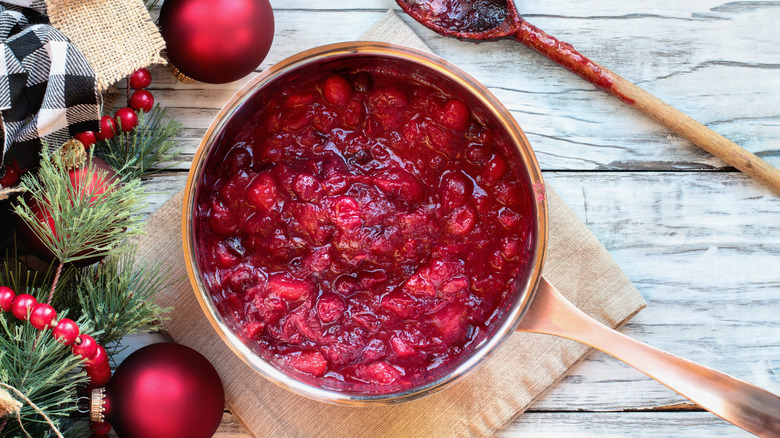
[(48, 90)]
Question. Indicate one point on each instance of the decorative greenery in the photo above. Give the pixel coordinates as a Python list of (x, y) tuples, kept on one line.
[(33, 363), (136, 153), (38, 376), (117, 296), (89, 220)]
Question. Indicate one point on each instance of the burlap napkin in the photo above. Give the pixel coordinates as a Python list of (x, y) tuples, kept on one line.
[(116, 37), (523, 368)]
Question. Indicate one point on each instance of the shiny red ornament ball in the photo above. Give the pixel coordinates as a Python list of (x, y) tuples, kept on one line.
[(165, 390), (126, 118), (140, 78), (142, 100), (217, 41), (101, 179)]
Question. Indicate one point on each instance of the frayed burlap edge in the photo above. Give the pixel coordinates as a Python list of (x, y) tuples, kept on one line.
[(116, 37)]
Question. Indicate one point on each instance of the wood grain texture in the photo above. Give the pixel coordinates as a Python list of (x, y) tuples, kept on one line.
[(700, 241), (716, 62)]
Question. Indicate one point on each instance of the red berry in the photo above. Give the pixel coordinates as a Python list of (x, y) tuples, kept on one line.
[(141, 78), (10, 178), (65, 332), (99, 377), (107, 128), (85, 347), (42, 315), (87, 138), (99, 360), (127, 118), (337, 90), (7, 296), (22, 305), (142, 100)]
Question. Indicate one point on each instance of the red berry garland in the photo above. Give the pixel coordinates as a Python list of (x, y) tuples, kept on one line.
[(125, 117), (42, 316)]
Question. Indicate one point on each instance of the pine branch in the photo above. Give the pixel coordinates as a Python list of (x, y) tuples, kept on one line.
[(86, 221), (137, 153), (117, 296)]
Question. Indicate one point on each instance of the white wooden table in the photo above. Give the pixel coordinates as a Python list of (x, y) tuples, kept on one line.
[(700, 241)]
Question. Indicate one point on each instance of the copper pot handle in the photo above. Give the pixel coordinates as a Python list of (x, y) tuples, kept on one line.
[(736, 401)]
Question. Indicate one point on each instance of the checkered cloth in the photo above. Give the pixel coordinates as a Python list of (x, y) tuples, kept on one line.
[(48, 90)]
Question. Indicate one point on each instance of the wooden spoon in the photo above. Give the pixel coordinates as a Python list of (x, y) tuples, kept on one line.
[(480, 20)]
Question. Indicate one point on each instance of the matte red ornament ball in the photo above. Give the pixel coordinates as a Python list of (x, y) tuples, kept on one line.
[(165, 390), (217, 41)]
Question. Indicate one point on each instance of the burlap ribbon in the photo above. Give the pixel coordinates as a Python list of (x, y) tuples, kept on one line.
[(525, 366)]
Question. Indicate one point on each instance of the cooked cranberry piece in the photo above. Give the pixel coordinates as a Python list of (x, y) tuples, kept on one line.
[(262, 192), (337, 90), (310, 362), (330, 308), (455, 115), (288, 288)]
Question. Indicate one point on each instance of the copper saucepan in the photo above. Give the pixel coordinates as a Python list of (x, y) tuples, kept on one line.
[(535, 307)]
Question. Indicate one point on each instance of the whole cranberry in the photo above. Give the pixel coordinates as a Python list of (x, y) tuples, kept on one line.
[(107, 128), (142, 100), (127, 118), (141, 78)]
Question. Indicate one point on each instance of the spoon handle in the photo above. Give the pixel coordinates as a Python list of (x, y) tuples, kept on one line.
[(683, 125), (738, 402)]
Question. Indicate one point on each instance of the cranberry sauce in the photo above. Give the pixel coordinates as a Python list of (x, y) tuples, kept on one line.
[(362, 227)]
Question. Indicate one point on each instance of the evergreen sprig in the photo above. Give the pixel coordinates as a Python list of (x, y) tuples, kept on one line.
[(139, 152), (117, 296), (84, 220)]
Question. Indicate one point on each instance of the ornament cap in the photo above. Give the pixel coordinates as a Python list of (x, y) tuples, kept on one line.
[(181, 77), (73, 154), (97, 405)]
